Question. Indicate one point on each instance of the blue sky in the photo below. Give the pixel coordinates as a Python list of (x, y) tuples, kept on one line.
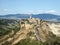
[(29, 6)]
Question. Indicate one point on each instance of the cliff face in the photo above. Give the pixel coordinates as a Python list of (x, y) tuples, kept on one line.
[(35, 30)]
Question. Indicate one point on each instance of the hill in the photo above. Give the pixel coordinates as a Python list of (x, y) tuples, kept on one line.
[(30, 31), (50, 17)]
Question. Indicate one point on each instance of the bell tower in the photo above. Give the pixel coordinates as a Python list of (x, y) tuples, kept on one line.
[(30, 16)]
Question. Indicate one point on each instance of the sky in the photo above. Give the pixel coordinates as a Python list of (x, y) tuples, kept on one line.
[(29, 7)]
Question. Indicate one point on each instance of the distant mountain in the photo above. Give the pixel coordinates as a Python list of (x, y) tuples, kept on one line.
[(41, 16), (15, 16), (46, 16), (50, 17)]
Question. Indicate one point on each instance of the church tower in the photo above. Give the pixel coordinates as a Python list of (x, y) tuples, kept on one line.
[(30, 16)]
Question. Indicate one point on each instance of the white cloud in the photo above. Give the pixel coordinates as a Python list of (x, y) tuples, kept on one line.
[(32, 12), (38, 11), (7, 11), (14, 11), (51, 11)]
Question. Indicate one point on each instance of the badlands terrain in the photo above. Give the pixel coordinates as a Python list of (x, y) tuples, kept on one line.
[(31, 31)]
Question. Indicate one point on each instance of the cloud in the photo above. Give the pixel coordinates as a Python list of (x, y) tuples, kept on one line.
[(51, 11), (38, 11), (8, 11), (14, 11), (32, 12), (3, 10)]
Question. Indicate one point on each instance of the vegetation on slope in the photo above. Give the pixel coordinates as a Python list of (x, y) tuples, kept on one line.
[(7, 25)]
